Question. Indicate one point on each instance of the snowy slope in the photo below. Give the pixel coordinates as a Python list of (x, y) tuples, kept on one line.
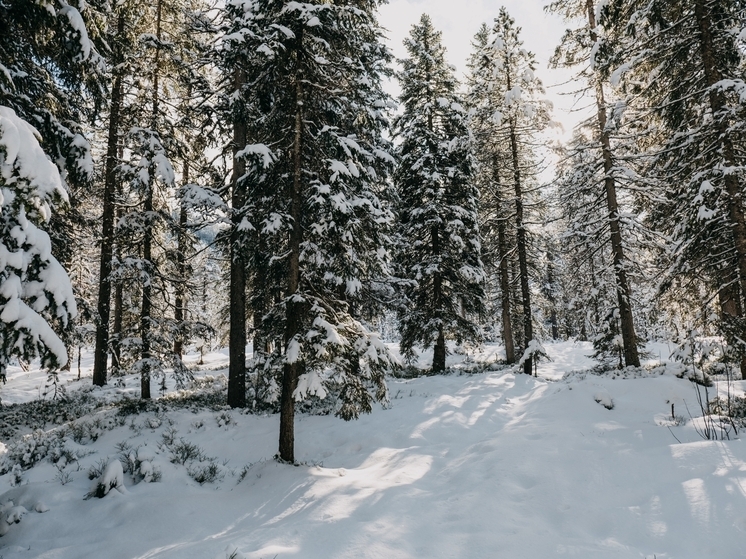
[(470, 466)]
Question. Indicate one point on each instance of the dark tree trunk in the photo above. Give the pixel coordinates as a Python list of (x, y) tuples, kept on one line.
[(521, 242), (293, 321), (146, 305), (505, 287), (522, 247), (146, 308), (629, 337), (116, 331), (439, 351), (262, 343), (180, 309), (116, 347), (237, 342), (551, 297), (710, 58), (101, 351)]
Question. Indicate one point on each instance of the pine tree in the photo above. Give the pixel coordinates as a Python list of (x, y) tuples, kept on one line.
[(49, 88), (509, 115), (681, 63), (158, 62), (35, 292), (306, 85), (490, 174), (439, 250), (584, 46)]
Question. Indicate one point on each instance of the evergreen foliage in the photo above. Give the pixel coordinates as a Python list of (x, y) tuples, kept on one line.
[(315, 164), (439, 246), (688, 81), (35, 291)]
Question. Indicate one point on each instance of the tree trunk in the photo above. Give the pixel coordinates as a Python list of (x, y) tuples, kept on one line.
[(551, 298), (293, 321), (730, 307), (181, 283), (237, 336), (522, 247), (101, 351), (710, 58), (146, 307), (259, 302), (116, 331), (439, 351), (505, 289), (629, 337)]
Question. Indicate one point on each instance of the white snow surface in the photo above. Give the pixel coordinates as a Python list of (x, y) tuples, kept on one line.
[(493, 464)]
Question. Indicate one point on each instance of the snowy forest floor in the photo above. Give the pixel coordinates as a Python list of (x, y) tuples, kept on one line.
[(466, 466)]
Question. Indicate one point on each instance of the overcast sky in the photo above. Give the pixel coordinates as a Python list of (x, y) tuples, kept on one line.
[(459, 20)]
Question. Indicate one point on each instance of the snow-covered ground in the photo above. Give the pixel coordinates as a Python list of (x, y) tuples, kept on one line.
[(462, 466)]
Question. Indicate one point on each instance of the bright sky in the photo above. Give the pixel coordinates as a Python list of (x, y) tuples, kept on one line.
[(459, 20)]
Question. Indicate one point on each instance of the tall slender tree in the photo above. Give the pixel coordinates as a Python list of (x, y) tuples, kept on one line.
[(439, 243), (513, 108), (316, 161), (681, 64), (585, 47)]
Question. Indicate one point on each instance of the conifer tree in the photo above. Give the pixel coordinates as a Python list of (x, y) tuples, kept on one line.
[(49, 87), (509, 114), (682, 65), (490, 173), (35, 292), (585, 47), (156, 63), (439, 250), (310, 162)]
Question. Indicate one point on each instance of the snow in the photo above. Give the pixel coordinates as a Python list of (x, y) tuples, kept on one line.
[(31, 279), (78, 25), (24, 159), (492, 464), (260, 151)]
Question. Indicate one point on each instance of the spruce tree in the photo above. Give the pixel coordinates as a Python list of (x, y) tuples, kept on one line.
[(311, 160), (491, 175), (586, 47), (681, 64), (439, 246), (36, 298), (509, 114), (50, 71), (158, 62)]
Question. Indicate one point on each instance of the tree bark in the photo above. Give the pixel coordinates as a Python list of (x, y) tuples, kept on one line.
[(629, 337), (237, 336), (101, 351), (522, 245), (294, 311), (259, 302), (146, 308), (439, 351), (180, 308), (717, 100), (505, 288)]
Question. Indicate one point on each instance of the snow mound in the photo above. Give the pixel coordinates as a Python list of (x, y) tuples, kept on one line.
[(604, 399), (111, 478)]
